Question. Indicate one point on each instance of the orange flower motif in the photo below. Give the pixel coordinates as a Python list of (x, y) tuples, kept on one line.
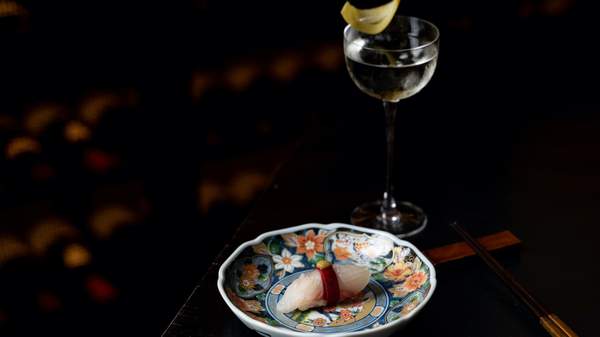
[(415, 281), (247, 283), (361, 245), (409, 307), (397, 272), (249, 275), (346, 315), (252, 306), (310, 244), (319, 322), (398, 291), (250, 271), (341, 253)]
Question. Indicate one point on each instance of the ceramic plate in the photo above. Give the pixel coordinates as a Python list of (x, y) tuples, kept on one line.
[(258, 273)]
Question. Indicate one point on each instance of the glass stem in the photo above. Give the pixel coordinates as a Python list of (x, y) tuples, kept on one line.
[(390, 125)]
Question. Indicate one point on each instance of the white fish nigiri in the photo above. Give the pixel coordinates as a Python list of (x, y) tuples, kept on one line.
[(307, 290)]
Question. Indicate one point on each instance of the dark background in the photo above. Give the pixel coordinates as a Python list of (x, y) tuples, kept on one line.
[(136, 136)]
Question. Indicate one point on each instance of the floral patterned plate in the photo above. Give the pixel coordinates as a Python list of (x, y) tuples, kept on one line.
[(257, 274)]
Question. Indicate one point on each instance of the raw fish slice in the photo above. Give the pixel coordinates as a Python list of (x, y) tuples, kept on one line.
[(307, 290), (352, 279)]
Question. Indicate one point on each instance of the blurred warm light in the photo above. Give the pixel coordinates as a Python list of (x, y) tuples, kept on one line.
[(201, 82), (106, 220), (556, 7), (241, 189), (3, 316), (76, 255), (100, 289), (545, 7), (329, 57), (48, 301), (11, 248), (21, 145), (93, 107), (285, 66), (209, 193), (38, 119), (99, 161), (246, 185), (11, 8), (75, 132), (240, 77), (50, 231)]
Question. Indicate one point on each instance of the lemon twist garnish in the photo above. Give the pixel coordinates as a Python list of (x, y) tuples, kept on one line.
[(371, 20)]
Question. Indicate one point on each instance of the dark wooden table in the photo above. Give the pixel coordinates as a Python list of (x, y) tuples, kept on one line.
[(542, 187)]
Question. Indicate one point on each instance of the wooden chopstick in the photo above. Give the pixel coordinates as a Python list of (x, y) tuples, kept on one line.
[(550, 322), (459, 250)]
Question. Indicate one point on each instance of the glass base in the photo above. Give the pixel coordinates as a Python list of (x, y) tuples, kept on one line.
[(403, 221)]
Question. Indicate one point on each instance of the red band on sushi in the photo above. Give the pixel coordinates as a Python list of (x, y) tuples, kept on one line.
[(331, 288)]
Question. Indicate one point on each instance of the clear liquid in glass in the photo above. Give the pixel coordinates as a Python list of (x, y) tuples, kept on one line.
[(390, 79)]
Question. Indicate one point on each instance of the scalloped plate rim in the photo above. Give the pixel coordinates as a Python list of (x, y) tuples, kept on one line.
[(332, 226)]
